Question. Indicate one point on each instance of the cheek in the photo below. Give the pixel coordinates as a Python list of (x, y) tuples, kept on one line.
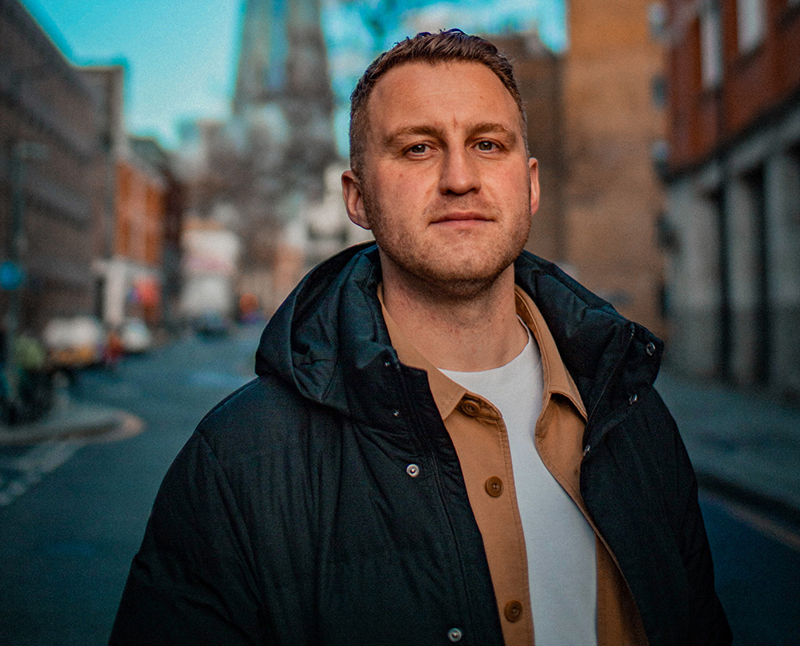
[(401, 190), (401, 182)]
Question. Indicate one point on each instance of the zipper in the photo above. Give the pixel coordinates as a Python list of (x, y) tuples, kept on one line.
[(586, 451), (621, 358), (424, 440)]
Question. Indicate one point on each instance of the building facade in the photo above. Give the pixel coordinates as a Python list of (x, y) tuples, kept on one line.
[(613, 121), (136, 188), (50, 156), (170, 226), (733, 189)]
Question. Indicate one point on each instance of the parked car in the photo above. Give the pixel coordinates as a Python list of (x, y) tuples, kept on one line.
[(211, 324), (136, 336), (74, 342)]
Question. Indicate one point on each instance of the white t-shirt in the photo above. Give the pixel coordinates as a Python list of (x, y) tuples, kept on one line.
[(560, 543)]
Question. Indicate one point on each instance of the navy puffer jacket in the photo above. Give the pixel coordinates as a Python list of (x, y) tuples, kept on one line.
[(289, 517)]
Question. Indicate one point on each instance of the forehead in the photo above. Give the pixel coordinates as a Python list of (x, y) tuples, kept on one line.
[(444, 92)]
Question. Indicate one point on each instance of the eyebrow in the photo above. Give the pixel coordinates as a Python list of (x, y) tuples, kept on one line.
[(489, 127), (391, 140)]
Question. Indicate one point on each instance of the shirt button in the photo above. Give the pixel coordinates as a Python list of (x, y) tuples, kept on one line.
[(650, 348), (412, 470), (470, 407), (494, 486), (513, 611), (454, 635)]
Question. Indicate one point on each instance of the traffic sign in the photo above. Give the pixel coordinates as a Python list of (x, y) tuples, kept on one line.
[(11, 276)]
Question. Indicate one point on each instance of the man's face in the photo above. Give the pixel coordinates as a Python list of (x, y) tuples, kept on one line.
[(447, 187)]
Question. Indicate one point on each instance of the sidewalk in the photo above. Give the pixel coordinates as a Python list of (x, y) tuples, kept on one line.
[(742, 445), (73, 420)]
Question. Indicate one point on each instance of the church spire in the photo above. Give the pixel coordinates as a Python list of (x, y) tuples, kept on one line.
[(261, 70), (282, 55)]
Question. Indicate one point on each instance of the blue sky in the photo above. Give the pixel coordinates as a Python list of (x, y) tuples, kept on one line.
[(181, 54)]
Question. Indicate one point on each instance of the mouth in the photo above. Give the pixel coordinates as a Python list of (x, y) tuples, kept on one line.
[(461, 218)]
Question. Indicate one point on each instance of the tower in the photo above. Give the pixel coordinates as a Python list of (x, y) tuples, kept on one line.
[(282, 124), (283, 98)]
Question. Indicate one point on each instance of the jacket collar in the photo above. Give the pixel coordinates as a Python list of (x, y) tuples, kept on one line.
[(330, 343), (447, 393)]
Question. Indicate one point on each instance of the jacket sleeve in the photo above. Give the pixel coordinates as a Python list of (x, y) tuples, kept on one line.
[(191, 581), (710, 625)]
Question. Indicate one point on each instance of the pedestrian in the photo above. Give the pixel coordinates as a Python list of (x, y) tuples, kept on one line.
[(113, 351), (449, 440)]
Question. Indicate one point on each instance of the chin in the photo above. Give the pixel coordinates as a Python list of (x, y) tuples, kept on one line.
[(458, 282), (462, 271)]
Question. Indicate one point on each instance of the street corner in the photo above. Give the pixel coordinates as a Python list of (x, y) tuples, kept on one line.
[(83, 423), (127, 426), (29, 452)]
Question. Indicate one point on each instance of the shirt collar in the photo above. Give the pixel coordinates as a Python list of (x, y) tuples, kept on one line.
[(556, 376), (447, 393)]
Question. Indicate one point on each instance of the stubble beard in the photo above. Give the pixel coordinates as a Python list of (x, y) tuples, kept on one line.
[(424, 267)]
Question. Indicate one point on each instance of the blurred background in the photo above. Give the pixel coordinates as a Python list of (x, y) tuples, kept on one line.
[(170, 169)]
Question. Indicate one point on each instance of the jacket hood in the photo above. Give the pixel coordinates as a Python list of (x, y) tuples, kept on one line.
[(328, 339), (328, 336)]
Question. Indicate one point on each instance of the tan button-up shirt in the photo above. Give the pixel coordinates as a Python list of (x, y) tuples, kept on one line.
[(479, 436)]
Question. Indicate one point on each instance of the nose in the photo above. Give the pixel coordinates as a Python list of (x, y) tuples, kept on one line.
[(459, 173)]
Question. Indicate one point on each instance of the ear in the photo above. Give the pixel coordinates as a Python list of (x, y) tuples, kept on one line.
[(533, 167), (354, 199)]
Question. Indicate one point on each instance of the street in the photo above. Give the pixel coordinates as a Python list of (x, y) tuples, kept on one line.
[(72, 513), (68, 540)]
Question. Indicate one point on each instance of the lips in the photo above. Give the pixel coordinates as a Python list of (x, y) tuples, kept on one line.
[(469, 216)]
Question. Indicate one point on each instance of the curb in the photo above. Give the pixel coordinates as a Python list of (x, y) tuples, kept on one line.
[(112, 425)]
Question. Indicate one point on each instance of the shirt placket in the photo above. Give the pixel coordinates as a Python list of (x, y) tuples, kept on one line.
[(479, 435)]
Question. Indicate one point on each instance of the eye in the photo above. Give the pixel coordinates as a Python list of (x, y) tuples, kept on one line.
[(418, 149), (486, 146)]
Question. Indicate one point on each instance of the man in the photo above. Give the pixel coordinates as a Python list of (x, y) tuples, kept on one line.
[(449, 440)]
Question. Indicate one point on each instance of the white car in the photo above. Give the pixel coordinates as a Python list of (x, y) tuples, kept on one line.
[(136, 336), (74, 342)]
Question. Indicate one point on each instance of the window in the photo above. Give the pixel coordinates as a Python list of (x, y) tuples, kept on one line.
[(657, 20), (711, 44), (751, 23), (658, 90), (792, 186)]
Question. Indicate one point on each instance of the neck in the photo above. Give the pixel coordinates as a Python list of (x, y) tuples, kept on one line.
[(481, 332)]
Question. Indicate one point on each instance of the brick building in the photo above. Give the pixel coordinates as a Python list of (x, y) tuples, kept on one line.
[(612, 123), (734, 189), (50, 156), (171, 224), (594, 119), (137, 190)]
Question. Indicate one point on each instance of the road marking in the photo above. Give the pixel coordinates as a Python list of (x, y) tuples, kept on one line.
[(30, 467), (760, 523)]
